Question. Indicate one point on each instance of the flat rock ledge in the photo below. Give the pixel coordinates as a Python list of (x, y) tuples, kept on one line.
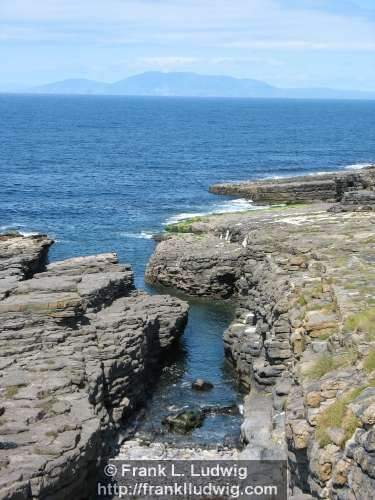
[(303, 339), (79, 346), (320, 187)]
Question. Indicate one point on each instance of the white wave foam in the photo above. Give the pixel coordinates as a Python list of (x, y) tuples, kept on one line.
[(286, 176), (274, 177), (27, 234), (358, 166), (144, 235), (355, 166), (238, 205), (15, 227)]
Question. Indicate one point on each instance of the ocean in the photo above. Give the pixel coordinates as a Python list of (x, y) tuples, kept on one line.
[(103, 174)]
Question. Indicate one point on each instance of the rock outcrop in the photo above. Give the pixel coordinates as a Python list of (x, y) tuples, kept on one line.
[(304, 334), (79, 347), (207, 267), (353, 201), (20, 258), (320, 187)]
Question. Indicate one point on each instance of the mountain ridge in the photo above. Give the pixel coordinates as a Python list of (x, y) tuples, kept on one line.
[(187, 84)]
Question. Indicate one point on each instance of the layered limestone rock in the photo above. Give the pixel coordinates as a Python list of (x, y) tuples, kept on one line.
[(321, 187), (303, 334), (362, 200), (79, 347), (207, 267), (20, 258)]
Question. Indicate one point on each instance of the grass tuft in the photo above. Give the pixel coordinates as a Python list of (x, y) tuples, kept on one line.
[(363, 321), (339, 415), (301, 300), (327, 363), (369, 362)]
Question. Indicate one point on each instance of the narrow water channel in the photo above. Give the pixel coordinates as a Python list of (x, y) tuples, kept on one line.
[(199, 354)]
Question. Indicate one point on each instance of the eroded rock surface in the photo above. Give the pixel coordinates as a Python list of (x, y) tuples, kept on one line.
[(79, 347), (304, 334)]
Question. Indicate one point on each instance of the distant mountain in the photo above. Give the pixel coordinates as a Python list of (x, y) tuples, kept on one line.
[(154, 83), (73, 86), (191, 84)]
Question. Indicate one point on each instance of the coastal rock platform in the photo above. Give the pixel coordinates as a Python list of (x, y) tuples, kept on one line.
[(319, 187), (303, 339), (79, 347)]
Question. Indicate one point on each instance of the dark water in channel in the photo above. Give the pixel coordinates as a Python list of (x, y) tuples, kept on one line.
[(200, 355), (104, 173)]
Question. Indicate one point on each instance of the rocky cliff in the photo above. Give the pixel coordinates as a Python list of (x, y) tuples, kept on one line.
[(321, 187), (79, 346), (303, 341)]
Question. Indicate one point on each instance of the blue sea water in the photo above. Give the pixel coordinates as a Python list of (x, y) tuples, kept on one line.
[(104, 173)]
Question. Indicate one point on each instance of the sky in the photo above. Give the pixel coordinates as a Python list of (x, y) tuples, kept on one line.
[(287, 43)]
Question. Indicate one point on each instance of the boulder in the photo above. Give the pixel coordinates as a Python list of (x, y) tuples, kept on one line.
[(184, 421)]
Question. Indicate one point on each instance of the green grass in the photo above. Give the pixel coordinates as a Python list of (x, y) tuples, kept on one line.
[(339, 415), (317, 291), (336, 415), (327, 334), (52, 434), (363, 321), (12, 390), (3, 421), (327, 363), (327, 308), (370, 239), (369, 362), (182, 227), (47, 405), (301, 300)]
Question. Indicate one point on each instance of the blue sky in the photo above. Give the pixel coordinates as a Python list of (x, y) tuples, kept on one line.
[(301, 43)]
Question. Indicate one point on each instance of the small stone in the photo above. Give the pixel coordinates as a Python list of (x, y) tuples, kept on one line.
[(202, 385), (301, 434), (283, 388), (340, 473), (298, 340), (319, 346), (319, 320), (336, 435), (313, 399)]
